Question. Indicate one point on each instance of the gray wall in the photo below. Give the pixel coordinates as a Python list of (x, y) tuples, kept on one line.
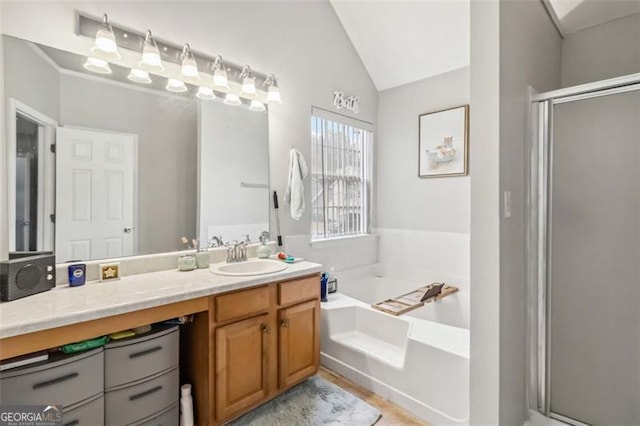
[(405, 201), (4, 218), (167, 160), (485, 247), (31, 79), (608, 50), (530, 54)]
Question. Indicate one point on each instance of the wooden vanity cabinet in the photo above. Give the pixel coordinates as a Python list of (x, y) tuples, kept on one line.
[(242, 365), (299, 342), (261, 342)]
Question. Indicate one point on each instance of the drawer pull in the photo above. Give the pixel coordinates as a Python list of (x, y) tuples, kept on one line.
[(285, 322), (266, 328), (72, 423), (145, 352), (145, 393), (54, 381)]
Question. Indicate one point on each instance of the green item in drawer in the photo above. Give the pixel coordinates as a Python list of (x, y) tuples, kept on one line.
[(85, 345)]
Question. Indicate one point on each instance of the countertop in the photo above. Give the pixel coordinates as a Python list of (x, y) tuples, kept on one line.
[(66, 305)]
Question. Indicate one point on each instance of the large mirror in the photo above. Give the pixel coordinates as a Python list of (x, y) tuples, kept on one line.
[(103, 167)]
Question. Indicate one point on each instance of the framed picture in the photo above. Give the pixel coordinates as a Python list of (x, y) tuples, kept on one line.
[(443, 143)]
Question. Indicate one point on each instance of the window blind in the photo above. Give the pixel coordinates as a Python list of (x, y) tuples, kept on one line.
[(341, 174)]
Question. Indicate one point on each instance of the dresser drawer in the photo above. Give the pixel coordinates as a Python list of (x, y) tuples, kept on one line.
[(170, 417), (132, 403), (299, 290), (88, 414), (126, 361), (64, 380), (241, 303)]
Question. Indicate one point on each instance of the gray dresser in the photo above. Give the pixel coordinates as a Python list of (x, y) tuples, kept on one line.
[(132, 381), (74, 381), (141, 379)]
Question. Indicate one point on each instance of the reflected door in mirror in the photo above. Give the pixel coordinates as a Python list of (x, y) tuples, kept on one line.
[(95, 188)]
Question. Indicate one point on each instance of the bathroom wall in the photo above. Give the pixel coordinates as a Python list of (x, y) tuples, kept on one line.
[(405, 201), (485, 221), (169, 145), (530, 55), (4, 220), (303, 43), (608, 50), (422, 224), (31, 79)]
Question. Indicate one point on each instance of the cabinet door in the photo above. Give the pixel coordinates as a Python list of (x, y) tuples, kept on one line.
[(241, 365), (299, 354)]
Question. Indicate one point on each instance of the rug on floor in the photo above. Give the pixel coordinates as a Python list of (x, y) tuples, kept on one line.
[(312, 402)]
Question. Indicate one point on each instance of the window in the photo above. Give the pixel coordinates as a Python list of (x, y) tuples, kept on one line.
[(341, 175)]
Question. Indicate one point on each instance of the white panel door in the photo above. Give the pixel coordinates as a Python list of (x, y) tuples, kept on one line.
[(95, 189)]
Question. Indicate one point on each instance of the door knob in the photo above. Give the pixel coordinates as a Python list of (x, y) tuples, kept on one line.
[(127, 230), (284, 322), (266, 328)]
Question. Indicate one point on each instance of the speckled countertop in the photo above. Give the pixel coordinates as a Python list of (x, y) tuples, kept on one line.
[(65, 305)]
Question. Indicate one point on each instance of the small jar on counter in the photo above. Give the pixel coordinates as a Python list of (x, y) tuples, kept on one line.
[(187, 262)]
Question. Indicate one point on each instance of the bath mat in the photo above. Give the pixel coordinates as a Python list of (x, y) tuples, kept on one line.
[(312, 402)]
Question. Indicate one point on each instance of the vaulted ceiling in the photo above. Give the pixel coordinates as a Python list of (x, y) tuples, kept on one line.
[(404, 41), (576, 15)]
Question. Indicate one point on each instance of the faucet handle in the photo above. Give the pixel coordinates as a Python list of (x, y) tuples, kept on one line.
[(246, 239)]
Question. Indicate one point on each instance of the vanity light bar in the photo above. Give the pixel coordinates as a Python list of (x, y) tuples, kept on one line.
[(125, 38)]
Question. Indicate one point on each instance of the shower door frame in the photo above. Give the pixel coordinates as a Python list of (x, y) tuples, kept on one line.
[(538, 235)]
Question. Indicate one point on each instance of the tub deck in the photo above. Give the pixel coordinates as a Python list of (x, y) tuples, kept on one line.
[(421, 365)]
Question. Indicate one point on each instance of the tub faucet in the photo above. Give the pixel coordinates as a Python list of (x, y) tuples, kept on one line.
[(215, 242)]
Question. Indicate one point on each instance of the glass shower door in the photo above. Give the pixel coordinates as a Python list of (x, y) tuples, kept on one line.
[(594, 261)]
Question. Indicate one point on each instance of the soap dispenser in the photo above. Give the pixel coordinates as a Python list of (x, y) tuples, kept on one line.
[(264, 251)]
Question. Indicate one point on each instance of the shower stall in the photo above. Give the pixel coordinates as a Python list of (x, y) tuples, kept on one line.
[(584, 253)]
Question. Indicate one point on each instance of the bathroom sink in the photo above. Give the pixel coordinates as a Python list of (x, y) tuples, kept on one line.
[(250, 267)]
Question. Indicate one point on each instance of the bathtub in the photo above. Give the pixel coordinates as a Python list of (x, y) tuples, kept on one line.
[(419, 360)]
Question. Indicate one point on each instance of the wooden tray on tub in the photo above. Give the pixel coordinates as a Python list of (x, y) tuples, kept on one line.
[(415, 299)]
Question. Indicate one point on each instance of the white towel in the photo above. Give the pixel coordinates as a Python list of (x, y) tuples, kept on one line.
[(298, 170)]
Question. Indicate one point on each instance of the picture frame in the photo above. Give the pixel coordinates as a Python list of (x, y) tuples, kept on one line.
[(443, 143)]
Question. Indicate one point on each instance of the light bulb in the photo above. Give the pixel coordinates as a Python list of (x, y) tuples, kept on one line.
[(248, 89), (232, 99), (139, 76), (151, 60), (220, 81), (273, 95), (205, 93), (189, 65), (105, 45), (97, 65), (256, 106), (176, 86)]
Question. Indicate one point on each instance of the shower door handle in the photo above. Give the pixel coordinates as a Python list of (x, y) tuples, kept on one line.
[(127, 230)]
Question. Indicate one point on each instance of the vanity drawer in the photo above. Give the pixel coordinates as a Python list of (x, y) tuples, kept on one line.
[(132, 403), (241, 303), (126, 361), (88, 414), (63, 381), (170, 417), (299, 290)]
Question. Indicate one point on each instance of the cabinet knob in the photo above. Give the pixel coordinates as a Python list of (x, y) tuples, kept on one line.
[(284, 322), (266, 328)]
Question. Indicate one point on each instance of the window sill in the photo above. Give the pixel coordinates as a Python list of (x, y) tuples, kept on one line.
[(340, 241)]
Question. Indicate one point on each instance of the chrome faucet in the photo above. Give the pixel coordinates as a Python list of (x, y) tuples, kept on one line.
[(236, 251), (215, 242)]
